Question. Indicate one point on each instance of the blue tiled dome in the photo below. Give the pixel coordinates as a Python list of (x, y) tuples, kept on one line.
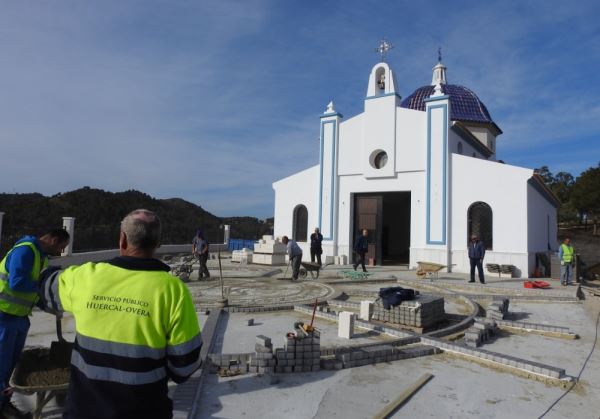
[(464, 104)]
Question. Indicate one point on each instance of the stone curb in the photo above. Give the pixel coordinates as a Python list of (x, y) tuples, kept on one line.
[(208, 338), (508, 361), (545, 329)]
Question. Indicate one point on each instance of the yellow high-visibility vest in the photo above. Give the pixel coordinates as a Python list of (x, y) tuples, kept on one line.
[(567, 253), (145, 309), (16, 302)]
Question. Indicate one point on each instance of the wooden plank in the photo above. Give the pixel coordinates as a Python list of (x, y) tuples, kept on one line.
[(387, 411)]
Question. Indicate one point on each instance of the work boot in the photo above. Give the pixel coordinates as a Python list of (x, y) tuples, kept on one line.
[(10, 411)]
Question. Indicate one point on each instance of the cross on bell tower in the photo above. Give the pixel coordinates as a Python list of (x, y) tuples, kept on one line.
[(383, 48)]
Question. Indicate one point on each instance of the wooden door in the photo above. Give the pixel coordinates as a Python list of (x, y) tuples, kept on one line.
[(368, 215)]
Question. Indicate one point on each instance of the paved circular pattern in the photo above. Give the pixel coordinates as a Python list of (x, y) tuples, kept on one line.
[(259, 292)]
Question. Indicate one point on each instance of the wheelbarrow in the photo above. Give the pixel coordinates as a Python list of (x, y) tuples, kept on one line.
[(44, 372), (311, 267), (429, 270), (36, 374)]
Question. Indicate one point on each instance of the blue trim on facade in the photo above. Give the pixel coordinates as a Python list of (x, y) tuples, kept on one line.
[(333, 176), (327, 115), (433, 99), (387, 94), (445, 160)]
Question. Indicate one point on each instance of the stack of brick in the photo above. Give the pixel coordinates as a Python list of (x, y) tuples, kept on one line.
[(424, 311), (481, 331), (374, 354), (301, 352), (269, 251), (498, 309), (263, 361)]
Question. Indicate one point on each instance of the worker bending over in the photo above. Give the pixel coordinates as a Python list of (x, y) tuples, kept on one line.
[(19, 279)]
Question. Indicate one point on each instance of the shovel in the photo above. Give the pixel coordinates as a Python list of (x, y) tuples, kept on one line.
[(286, 269), (60, 351)]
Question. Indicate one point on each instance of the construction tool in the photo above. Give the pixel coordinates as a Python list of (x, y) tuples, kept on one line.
[(308, 328), (60, 351), (286, 269)]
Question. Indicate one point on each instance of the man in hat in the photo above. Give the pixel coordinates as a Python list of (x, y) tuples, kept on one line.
[(476, 254)]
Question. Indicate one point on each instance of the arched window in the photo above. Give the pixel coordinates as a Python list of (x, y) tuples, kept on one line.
[(300, 232), (479, 222)]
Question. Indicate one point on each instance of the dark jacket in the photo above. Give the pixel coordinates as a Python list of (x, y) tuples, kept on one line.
[(476, 250), (361, 245), (315, 241)]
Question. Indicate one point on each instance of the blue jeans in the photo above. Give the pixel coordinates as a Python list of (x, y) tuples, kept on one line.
[(566, 273), (13, 332)]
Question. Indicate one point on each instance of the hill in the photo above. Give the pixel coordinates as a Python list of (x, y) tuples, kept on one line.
[(98, 214)]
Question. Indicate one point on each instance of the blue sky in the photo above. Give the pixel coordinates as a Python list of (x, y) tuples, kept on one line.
[(213, 101)]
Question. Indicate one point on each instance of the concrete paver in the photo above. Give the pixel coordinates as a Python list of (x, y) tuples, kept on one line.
[(459, 389)]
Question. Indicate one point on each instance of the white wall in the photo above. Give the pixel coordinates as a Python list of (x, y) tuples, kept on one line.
[(411, 140), (542, 225), (300, 188), (468, 150), (349, 146), (379, 134), (504, 188)]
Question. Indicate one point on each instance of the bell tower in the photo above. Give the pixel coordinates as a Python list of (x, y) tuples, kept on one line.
[(379, 129)]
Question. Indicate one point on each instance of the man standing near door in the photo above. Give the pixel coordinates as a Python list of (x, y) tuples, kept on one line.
[(476, 254), (316, 247), (361, 247)]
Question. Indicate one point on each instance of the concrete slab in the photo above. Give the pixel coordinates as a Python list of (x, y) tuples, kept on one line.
[(459, 389), (235, 336)]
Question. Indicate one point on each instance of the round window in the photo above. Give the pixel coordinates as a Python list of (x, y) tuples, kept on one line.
[(379, 159)]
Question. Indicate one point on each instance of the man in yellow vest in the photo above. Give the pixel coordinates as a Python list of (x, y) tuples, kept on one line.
[(19, 279), (136, 327), (566, 255)]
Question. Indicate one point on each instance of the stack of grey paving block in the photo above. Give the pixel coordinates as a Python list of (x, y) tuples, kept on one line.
[(373, 354), (301, 352), (498, 309), (263, 361), (234, 362), (424, 311), (481, 331)]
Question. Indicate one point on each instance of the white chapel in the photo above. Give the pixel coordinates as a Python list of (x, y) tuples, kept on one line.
[(421, 174)]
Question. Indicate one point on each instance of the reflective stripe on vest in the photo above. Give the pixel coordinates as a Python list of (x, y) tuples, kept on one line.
[(567, 253), (119, 349), (118, 376), (15, 302)]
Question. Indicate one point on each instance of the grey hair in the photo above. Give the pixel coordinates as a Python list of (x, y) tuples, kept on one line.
[(142, 228)]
